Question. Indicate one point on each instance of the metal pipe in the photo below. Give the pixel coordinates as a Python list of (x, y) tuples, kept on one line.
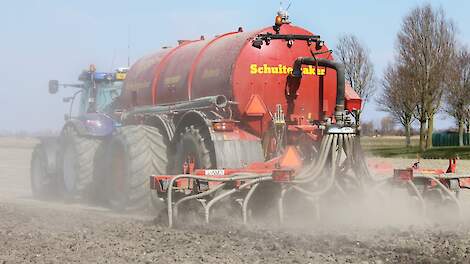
[(208, 206), (219, 101), (280, 203), (445, 189), (238, 176), (196, 196), (340, 79), (246, 201), (418, 194), (447, 176), (225, 194)]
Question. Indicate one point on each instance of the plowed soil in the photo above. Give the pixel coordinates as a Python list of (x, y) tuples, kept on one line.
[(34, 231)]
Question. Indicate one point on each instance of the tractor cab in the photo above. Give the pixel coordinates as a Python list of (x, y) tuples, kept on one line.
[(96, 90), (107, 87)]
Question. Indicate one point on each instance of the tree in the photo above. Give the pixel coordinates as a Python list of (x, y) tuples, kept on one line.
[(387, 125), (359, 70), (457, 96), (367, 128), (425, 49), (397, 98)]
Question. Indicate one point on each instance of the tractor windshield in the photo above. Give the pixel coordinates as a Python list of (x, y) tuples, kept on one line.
[(107, 91)]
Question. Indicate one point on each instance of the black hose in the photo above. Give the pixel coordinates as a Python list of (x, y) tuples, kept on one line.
[(297, 72)]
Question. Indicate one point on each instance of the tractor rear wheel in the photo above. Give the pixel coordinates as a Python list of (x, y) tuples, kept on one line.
[(78, 154), (42, 183), (135, 153)]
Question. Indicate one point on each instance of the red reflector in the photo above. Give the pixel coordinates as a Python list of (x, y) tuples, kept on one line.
[(223, 126), (255, 106), (291, 158), (403, 174)]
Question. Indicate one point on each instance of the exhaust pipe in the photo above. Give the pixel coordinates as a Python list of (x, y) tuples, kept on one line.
[(297, 72)]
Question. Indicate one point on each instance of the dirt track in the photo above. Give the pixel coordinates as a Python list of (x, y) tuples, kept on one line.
[(41, 232)]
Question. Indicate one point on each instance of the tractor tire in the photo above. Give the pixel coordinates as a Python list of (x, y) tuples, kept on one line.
[(100, 172), (135, 153), (43, 184), (78, 155)]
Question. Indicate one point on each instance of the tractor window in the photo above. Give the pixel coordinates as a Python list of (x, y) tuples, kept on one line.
[(83, 103), (107, 92)]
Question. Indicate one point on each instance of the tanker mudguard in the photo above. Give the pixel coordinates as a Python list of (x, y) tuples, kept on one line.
[(233, 149), (236, 149), (163, 123), (93, 124)]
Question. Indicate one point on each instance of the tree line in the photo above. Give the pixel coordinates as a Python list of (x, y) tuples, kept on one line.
[(430, 73)]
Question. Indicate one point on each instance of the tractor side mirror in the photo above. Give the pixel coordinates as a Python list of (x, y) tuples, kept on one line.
[(53, 86)]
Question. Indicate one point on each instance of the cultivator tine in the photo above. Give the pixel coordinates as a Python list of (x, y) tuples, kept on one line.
[(446, 190), (418, 194), (284, 191), (197, 197), (214, 200), (173, 208), (339, 169), (246, 201)]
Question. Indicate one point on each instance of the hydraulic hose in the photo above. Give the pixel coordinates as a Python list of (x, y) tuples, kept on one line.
[(316, 167), (340, 81)]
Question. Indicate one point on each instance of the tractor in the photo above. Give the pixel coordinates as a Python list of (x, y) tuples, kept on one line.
[(64, 165)]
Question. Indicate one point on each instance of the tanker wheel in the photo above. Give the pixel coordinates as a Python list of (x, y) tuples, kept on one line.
[(135, 153), (193, 148), (42, 183), (78, 155)]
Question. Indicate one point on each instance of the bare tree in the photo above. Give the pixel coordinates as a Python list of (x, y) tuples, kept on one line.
[(359, 70), (425, 48), (387, 125), (397, 98), (457, 94), (367, 128)]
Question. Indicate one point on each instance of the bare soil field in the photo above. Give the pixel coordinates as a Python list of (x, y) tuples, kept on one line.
[(34, 231)]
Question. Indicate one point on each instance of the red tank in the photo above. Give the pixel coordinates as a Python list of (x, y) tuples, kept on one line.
[(229, 65)]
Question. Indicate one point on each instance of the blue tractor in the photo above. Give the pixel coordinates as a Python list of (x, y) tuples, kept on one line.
[(66, 165)]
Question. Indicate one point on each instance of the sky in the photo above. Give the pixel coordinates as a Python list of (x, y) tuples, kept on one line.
[(55, 39)]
